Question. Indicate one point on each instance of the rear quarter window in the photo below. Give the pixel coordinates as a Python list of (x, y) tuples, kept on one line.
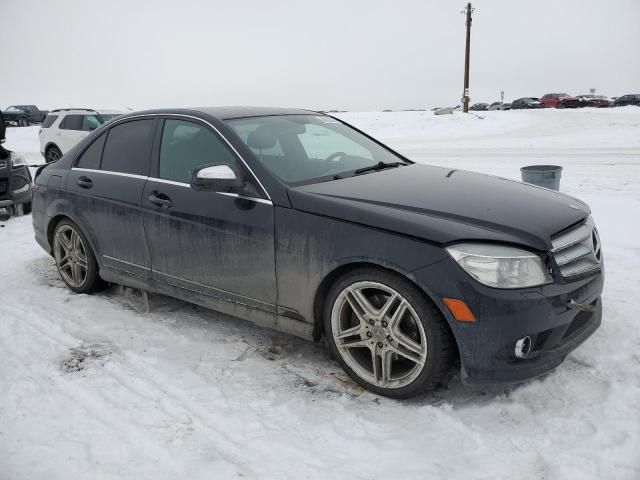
[(49, 121), (90, 158)]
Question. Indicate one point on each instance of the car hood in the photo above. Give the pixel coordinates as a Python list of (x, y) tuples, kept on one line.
[(444, 206)]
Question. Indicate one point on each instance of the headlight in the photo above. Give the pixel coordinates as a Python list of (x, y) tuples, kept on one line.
[(499, 266)]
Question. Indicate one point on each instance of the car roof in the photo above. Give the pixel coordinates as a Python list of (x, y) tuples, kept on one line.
[(72, 111), (227, 113)]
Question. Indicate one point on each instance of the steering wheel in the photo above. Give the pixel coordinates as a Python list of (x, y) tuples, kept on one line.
[(334, 156)]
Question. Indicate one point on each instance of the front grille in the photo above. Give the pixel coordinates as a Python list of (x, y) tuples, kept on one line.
[(577, 252)]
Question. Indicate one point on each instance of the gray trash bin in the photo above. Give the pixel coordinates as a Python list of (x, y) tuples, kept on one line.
[(547, 176)]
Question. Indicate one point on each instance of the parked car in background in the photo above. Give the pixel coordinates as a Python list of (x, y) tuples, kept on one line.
[(23, 115), (479, 107), (500, 106), (299, 222), (559, 100), (526, 103), (64, 128), (629, 99), (598, 101), (15, 183)]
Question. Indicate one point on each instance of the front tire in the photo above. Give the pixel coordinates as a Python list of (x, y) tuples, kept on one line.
[(53, 154), (387, 336), (75, 260)]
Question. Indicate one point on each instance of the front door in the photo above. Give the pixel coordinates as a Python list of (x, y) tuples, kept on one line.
[(214, 244), (107, 183)]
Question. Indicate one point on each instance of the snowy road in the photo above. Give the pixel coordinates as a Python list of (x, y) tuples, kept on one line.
[(93, 387)]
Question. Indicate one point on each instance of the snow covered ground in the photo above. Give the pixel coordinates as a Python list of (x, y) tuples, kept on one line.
[(93, 387)]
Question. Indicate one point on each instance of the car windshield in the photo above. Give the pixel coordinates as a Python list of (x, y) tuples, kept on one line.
[(303, 149), (15, 108)]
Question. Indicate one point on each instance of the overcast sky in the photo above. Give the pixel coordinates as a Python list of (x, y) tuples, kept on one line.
[(323, 54)]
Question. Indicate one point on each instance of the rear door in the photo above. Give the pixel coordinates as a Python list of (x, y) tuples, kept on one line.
[(107, 183), (69, 132), (216, 244)]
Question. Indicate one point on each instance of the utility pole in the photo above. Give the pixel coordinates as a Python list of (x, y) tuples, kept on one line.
[(465, 96)]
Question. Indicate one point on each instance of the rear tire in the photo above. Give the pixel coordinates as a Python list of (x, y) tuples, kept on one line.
[(53, 154), (386, 334), (75, 260), (23, 122)]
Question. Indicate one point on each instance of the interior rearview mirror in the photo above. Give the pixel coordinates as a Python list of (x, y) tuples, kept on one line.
[(219, 178)]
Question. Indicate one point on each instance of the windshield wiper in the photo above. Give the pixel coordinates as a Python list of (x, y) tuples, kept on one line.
[(378, 166)]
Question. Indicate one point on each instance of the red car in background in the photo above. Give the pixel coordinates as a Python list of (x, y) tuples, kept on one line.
[(598, 101), (559, 100)]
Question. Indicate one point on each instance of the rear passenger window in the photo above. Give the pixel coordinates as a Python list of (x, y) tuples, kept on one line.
[(186, 146), (91, 156), (128, 147), (71, 122), (49, 121)]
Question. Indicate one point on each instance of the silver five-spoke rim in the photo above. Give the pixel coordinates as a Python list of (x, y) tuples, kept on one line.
[(379, 334), (71, 256)]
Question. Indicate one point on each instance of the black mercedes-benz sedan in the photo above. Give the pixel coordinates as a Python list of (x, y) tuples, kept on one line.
[(300, 222)]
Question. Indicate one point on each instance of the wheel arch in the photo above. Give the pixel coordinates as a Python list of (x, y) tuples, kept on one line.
[(57, 218), (332, 276)]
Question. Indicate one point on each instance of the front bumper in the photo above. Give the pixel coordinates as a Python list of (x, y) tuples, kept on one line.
[(487, 346), (15, 184)]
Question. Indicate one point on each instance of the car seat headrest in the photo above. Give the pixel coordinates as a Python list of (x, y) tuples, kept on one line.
[(262, 138)]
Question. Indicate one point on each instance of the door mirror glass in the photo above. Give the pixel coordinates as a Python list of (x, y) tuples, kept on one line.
[(219, 178)]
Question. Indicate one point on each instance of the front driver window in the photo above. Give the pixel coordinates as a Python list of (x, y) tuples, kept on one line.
[(186, 146)]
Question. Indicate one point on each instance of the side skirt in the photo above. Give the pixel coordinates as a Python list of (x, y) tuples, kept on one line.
[(283, 321)]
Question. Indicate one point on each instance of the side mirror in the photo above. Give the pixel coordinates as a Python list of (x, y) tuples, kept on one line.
[(219, 178)]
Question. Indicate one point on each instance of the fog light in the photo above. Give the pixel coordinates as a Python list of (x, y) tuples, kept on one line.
[(523, 347)]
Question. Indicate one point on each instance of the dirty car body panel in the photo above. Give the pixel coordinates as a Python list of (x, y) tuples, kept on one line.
[(269, 253)]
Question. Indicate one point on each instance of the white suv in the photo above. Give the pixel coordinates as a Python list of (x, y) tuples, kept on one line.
[(63, 128)]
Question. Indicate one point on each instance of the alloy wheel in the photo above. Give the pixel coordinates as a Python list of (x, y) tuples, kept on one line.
[(379, 334), (71, 256)]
